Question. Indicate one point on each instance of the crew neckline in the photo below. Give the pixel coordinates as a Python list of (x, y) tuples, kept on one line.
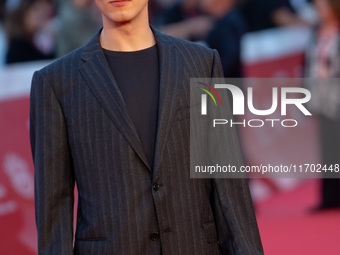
[(137, 52)]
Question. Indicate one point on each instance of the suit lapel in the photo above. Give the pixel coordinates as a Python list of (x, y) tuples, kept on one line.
[(101, 82), (170, 82)]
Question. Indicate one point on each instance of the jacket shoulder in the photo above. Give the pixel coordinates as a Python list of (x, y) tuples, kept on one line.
[(188, 47), (64, 64), (199, 59)]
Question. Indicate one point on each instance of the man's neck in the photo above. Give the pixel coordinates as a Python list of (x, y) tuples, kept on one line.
[(130, 36)]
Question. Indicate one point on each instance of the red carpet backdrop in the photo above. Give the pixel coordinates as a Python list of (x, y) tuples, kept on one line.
[(17, 224), (281, 205)]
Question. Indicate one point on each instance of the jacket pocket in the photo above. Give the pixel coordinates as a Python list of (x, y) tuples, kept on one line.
[(91, 239), (91, 246), (210, 231)]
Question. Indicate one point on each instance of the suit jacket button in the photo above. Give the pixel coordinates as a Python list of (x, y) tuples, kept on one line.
[(154, 236), (156, 186)]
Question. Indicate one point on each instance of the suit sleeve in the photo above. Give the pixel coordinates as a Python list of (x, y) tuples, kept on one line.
[(232, 203), (53, 174)]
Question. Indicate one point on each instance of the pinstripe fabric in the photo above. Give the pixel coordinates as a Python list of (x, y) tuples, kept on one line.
[(80, 132)]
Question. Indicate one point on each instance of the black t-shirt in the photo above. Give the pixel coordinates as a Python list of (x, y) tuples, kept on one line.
[(137, 76)]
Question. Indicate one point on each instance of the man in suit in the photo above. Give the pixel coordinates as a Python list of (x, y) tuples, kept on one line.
[(91, 125)]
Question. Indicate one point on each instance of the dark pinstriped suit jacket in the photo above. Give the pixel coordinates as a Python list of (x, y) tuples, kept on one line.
[(81, 132)]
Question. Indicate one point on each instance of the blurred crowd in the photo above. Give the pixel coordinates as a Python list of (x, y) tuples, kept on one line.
[(44, 29)]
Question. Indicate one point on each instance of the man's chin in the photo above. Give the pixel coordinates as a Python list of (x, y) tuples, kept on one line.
[(121, 19)]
